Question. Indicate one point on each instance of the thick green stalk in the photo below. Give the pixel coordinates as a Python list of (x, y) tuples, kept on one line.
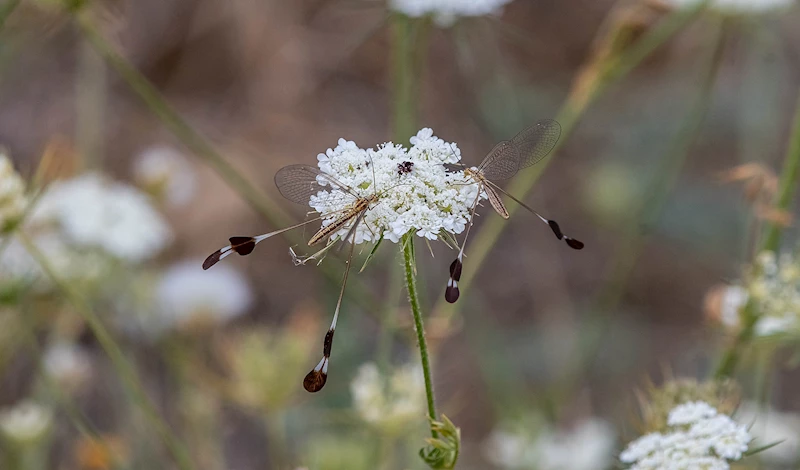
[(114, 352), (790, 175), (786, 189), (411, 284), (568, 117)]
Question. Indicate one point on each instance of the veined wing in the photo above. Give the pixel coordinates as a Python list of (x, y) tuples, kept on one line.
[(525, 149), (535, 142), (298, 183), (501, 163)]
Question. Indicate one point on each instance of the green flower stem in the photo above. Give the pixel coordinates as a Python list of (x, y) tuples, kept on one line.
[(411, 284), (51, 387), (203, 149), (114, 352), (91, 92), (786, 189), (571, 112), (790, 175), (730, 358)]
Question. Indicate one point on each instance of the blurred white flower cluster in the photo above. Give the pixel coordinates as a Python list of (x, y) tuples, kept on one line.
[(589, 445), (698, 436), (12, 193), (416, 191), (69, 364), (740, 7), (181, 297), (166, 174), (92, 211), (187, 295), (389, 403), (775, 288), (445, 12), (25, 422)]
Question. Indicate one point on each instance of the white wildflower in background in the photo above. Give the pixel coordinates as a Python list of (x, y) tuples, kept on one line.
[(589, 445), (772, 287), (392, 402), (739, 7), (733, 300), (697, 436), (770, 426), (165, 173), (445, 12), (25, 422), (776, 290), (12, 193), (94, 212), (69, 364), (67, 262), (416, 191), (186, 295)]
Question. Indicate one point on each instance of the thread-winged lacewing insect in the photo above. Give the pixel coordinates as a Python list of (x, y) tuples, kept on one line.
[(298, 183), (503, 162)]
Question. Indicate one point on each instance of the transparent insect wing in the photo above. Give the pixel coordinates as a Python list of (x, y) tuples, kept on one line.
[(535, 142), (501, 163), (525, 149), (298, 183)]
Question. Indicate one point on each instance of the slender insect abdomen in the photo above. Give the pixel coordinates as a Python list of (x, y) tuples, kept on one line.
[(496, 201), (327, 230)]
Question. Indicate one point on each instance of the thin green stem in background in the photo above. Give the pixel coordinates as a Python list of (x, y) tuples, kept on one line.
[(790, 175), (786, 189), (114, 352), (404, 78), (647, 214), (198, 145), (665, 177), (409, 263), (173, 121), (568, 117), (6, 10), (387, 323)]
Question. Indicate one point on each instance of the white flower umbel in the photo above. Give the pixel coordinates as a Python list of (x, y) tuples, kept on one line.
[(389, 402), (12, 193), (94, 212), (445, 12), (698, 437), (186, 295), (589, 445), (416, 192), (25, 422), (165, 173)]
